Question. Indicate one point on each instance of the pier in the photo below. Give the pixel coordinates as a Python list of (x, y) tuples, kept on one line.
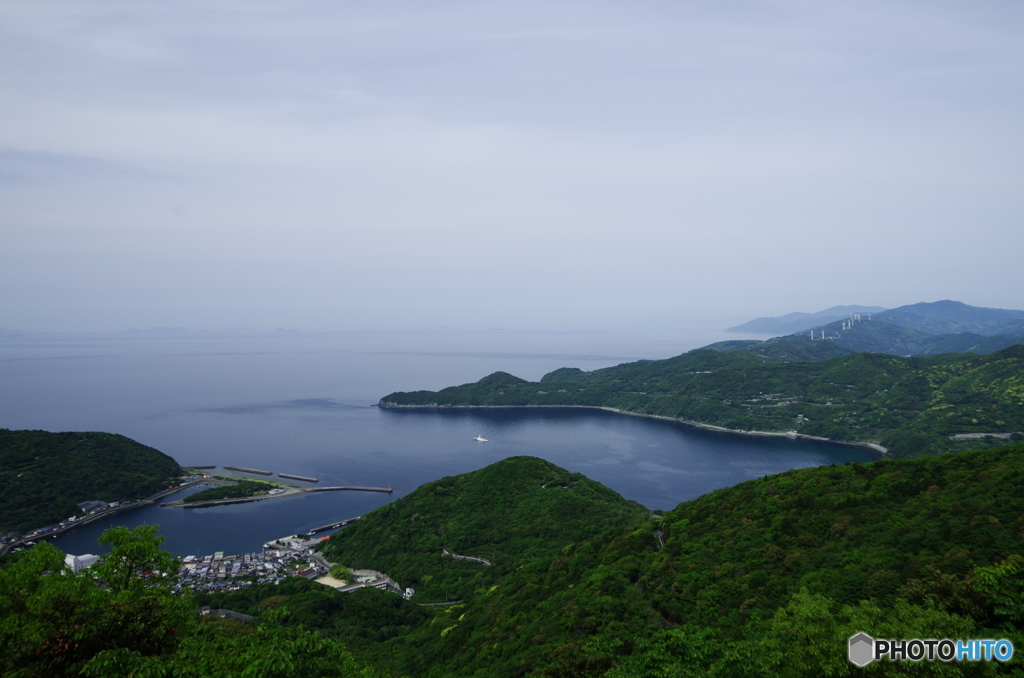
[(291, 477), (249, 470), (387, 489), (340, 523)]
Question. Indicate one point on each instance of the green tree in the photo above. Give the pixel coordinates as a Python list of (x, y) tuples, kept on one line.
[(269, 652), (341, 572), (52, 621), (120, 618)]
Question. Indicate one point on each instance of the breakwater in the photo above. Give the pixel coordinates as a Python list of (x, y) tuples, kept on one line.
[(291, 492), (349, 487), (291, 477), (249, 470), (340, 523)]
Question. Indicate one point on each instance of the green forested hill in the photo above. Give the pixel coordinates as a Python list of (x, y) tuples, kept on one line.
[(769, 577), (909, 405), (766, 578), (45, 475), (508, 513)]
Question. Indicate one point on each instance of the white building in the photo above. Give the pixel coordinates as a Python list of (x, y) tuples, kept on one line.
[(79, 563)]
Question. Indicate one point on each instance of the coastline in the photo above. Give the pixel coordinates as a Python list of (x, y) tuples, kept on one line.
[(148, 501), (875, 450)]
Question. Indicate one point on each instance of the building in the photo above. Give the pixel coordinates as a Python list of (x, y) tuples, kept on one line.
[(79, 563), (88, 506)]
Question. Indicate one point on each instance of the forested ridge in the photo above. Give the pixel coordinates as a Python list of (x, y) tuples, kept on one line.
[(508, 513), (766, 578), (912, 406), (45, 475)]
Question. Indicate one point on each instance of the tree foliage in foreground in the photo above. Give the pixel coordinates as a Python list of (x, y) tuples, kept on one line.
[(119, 618)]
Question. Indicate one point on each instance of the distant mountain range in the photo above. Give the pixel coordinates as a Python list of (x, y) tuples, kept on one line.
[(917, 329), (950, 317), (795, 322)]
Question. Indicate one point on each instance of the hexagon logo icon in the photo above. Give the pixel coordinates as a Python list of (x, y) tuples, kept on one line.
[(862, 649)]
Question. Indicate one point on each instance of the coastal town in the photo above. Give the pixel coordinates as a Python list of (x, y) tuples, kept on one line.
[(291, 556)]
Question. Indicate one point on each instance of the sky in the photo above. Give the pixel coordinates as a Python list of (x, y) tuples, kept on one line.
[(503, 164)]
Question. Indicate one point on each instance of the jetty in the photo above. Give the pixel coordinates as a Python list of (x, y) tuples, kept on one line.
[(349, 487), (291, 477), (290, 492), (332, 526), (249, 470), (199, 467)]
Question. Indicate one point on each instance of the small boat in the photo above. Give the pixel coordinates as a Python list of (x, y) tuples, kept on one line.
[(480, 439)]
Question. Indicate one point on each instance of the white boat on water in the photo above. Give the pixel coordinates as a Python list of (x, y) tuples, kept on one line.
[(480, 439)]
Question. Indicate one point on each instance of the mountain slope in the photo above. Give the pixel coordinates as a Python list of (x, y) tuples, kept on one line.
[(766, 578), (954, 317), (508, 513), (915, 329), (874, 336), (796, 322), (45, 475)]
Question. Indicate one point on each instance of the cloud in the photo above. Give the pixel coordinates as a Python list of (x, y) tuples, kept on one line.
[(532, 161)]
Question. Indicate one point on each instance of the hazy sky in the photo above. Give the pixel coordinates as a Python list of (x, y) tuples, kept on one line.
[(389, 164)]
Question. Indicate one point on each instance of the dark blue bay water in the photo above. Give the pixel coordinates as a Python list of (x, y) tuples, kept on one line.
[(303, 405)]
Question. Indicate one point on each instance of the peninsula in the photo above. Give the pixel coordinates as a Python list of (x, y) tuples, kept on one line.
[(46, 476), (909, 406)]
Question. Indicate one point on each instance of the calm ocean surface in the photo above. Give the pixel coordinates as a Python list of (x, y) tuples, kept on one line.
[(302, 404)]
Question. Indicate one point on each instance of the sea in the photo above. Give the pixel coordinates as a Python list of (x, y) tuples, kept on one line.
[(303, 403)]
